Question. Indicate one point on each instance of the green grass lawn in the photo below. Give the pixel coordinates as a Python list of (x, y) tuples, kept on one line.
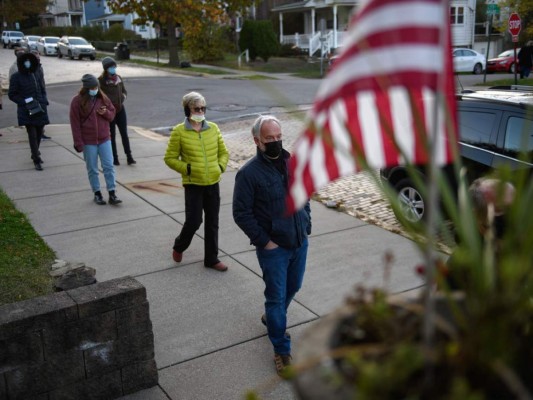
[(495, 80), (297, 66), (24, 256)]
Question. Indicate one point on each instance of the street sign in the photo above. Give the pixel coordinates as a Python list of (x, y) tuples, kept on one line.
[(515, 24), (493, 9)]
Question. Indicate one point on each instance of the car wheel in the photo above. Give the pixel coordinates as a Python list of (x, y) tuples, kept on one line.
[(412, 204), (92, 58), (4, 45), (512, 68), (478, 69)]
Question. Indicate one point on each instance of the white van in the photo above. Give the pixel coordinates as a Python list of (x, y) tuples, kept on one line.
[(11, 38)]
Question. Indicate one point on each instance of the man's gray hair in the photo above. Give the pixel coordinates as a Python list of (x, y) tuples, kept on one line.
[(256, 127), (193, 98)]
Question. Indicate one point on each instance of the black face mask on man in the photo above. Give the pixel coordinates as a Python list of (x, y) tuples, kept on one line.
[(273, 149)]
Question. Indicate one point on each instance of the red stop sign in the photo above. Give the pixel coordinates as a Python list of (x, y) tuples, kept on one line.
[(515, 24)]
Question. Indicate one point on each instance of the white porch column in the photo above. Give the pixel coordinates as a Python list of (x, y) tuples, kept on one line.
[(281, 27), (335, 44), (313, 22)]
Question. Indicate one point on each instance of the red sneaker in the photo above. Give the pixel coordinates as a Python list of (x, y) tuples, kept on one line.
[(219, 266), (177, 256)]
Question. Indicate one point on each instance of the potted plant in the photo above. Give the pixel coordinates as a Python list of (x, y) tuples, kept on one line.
[(480, 344)]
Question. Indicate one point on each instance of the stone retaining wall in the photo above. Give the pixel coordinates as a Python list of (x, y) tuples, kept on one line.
[(93, 342)]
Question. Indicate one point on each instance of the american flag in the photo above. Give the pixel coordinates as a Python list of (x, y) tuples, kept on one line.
[(388, 96)]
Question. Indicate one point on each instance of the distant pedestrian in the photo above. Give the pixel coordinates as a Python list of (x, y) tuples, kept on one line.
[(27, 90), (14, 67), (112, 85), (197, 151), (1, 95), (525, 59), (280, 239), (40, 74), (90, 114)]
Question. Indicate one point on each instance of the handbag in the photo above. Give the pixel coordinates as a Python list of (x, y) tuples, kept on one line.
[(34, 107)]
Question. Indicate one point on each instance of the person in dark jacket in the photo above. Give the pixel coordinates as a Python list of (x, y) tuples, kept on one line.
[(26, 89), (280, 239), (525, 59), (90, 114), (113, 86)]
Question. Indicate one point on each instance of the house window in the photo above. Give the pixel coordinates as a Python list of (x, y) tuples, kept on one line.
[(142, 28), (457, 15)]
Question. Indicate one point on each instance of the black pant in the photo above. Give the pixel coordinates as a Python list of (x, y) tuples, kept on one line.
[(198, 199), (35, 133), (122, 122)]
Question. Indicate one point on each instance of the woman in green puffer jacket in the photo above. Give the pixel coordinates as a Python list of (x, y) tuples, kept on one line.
[(197, 151)]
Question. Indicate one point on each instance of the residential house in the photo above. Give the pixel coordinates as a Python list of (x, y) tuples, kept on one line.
[(462, 22), (313, 25), (63, 13), (318, 26), (98, 13)]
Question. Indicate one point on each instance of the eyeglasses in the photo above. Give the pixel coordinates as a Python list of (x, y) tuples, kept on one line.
[(199, 109)]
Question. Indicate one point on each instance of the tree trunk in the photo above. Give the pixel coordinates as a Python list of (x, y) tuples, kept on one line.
[(173, 57)]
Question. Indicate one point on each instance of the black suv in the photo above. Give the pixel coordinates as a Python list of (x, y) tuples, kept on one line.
[(495, 125)]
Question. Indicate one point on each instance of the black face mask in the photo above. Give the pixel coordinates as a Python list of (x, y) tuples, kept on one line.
[(273, 149)]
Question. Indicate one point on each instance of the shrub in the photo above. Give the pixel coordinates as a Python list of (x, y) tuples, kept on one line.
[(260, 39), (117, 33), (206, 44)]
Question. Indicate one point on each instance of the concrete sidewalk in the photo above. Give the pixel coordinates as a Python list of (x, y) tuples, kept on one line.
[(209, 341)]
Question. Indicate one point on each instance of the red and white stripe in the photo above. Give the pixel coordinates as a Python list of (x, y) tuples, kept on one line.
[(388, 95)]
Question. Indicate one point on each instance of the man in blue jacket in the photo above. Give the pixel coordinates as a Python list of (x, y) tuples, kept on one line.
[(280, 239)]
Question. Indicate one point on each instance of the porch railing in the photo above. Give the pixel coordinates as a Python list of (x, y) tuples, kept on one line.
[(312, 42)]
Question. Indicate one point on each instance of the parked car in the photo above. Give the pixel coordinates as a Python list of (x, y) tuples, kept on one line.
[(47, 45), (505, 62), (468, 60), (75, 47), (495, 126), (11, 38), (29, 42)]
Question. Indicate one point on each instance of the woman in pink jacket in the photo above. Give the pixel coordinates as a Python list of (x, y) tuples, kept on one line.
[(90, 114)]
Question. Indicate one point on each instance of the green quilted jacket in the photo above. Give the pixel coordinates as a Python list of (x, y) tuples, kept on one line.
[(200, 157)]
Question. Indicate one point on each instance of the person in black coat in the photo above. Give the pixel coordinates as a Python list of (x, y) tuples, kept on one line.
[(525, 59), (27, 90)]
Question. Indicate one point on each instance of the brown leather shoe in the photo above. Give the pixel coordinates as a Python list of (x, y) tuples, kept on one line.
[(219, 266), (177, 256), (282, 361)]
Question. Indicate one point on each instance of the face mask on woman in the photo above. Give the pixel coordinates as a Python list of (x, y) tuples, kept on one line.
[(112, 70), (27, 64), (93, 92), (197, 117)]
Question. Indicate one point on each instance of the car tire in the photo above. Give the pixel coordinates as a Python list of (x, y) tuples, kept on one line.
[(512, 68), (5, 46), (92, 58), (412, 203), (478, 69)]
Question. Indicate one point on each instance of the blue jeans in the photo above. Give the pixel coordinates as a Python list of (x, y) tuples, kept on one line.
[(91, 152), (283, 274)]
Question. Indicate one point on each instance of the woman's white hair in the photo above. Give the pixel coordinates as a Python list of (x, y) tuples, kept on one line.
[(193, 98), (256, 127)]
